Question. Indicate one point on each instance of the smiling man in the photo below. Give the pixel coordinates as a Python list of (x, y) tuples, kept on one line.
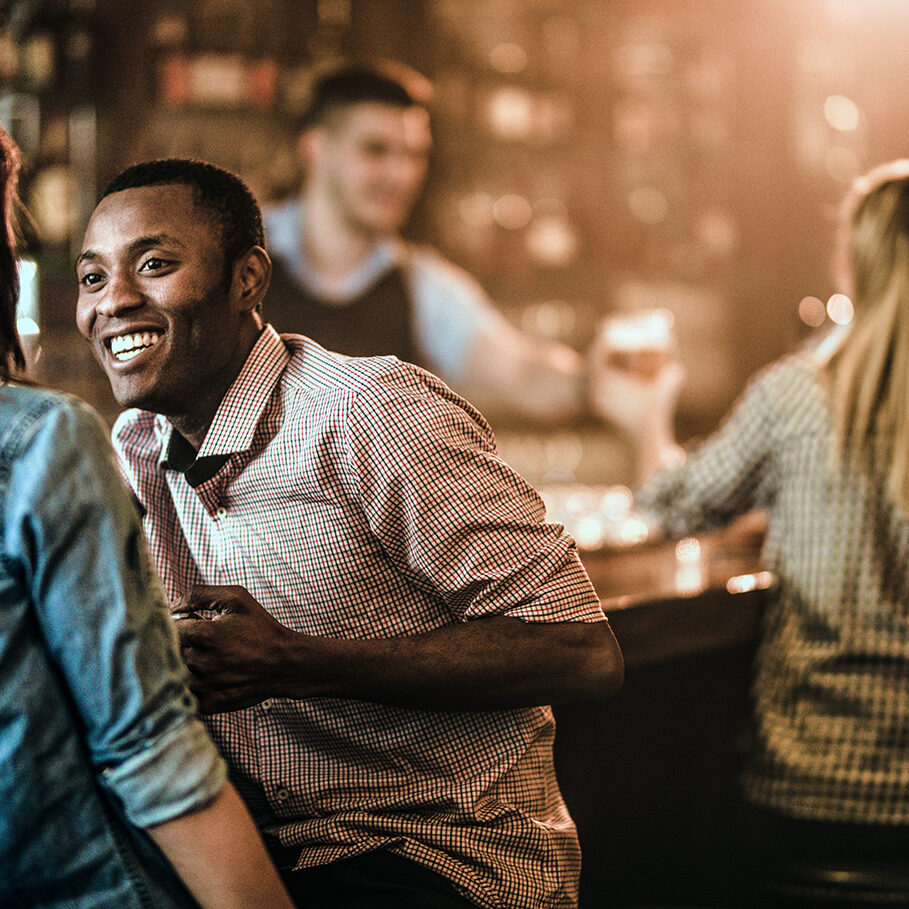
[(370, 603)]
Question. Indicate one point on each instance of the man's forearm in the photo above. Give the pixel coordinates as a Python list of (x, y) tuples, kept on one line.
[(485, 664)]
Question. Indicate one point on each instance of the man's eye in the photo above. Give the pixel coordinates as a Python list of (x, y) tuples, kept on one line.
[(90, 279), (152, 264)]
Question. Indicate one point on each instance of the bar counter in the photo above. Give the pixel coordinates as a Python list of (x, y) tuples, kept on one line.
[(675, 599), (650, 776)]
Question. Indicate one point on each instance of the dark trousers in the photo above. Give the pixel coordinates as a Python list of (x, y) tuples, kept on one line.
[(377, 880)]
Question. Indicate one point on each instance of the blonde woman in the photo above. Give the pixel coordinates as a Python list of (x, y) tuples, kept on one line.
[(820, 440)]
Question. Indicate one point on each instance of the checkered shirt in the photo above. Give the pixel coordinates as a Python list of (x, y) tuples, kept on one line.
[(364, 499), (831, 687)]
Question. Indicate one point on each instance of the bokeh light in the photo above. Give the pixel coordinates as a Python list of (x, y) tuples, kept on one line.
[(840, 309), (512, 211), (842, 113), (812, 311), (511, 113)]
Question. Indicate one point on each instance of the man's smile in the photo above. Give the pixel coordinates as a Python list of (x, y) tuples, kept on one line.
[(126, 346)]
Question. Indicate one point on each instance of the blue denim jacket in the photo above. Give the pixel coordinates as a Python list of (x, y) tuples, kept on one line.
[(96, 724)]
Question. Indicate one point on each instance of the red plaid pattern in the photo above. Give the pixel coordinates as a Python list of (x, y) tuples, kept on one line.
[(362, 498)]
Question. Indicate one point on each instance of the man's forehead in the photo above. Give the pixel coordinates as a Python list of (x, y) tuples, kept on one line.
[(377, 118), (167, 211)]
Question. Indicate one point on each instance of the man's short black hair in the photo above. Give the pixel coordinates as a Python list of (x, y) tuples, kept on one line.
[(358, 83), (230, 202)]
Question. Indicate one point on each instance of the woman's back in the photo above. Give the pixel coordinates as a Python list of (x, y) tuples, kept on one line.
[(830, 734), (83, 680)]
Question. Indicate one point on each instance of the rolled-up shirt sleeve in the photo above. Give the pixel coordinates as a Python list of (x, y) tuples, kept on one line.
[(456, 518), (104, 619)]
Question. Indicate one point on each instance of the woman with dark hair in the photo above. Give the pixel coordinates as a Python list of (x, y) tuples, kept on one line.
[(110, 782)]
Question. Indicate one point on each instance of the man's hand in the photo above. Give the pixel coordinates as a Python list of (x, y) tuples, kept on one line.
[(237, 657)]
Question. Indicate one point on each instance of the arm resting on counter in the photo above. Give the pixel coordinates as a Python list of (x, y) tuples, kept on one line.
[(243, 655)]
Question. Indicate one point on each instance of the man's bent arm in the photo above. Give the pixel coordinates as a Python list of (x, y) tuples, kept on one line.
[(242, 656), (490, 663)]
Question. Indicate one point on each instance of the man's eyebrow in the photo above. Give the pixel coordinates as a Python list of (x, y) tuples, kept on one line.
[(139, 244)]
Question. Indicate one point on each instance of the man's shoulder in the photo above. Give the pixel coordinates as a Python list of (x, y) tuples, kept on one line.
[(315, 375), (313, 370), (429, 265)]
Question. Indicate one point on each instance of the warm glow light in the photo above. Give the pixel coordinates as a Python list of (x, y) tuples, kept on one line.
[(840, 309), (688, 550), (842, 113), (552, 241), (511, 113), (588, 531), (512, 211), (616, 502), (812, 311), (745, 583), (508, 58), (632, 530), (644, 59)]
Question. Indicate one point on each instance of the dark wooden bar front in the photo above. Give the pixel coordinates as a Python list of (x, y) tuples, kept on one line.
[(650, 775)]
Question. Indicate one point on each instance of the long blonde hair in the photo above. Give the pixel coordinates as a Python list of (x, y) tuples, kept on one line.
[(869, 372)]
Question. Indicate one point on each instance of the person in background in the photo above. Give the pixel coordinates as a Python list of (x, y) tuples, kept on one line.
[(371, 606), (98, 731), (343, 275), (820, 441)]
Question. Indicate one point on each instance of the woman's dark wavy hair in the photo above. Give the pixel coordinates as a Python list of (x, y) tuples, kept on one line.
[(233, 208), (11, 357)]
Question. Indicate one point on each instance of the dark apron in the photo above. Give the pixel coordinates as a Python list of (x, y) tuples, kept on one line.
[(379, 321)]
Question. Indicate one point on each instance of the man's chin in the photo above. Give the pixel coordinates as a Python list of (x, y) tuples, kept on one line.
[(382, 221), (128, 396)]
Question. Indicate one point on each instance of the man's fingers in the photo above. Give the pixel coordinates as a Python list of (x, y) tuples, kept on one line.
[(214, 598), (193, 632)]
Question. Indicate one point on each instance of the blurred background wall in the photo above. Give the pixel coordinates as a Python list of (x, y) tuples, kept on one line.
[(590, 154)]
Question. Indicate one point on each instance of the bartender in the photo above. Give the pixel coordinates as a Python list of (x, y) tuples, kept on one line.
[(344, 276)]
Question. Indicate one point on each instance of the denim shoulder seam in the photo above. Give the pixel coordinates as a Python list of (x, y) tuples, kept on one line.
[(14, 439), (17, 436)]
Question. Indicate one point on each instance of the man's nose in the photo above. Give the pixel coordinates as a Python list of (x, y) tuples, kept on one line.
[(121, 293)]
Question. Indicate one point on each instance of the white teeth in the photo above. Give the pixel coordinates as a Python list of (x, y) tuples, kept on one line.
[(125, 347)]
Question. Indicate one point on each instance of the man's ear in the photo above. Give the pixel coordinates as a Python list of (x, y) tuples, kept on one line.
[(252, 274)]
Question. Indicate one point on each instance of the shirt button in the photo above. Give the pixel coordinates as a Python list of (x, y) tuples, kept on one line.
[(282, 795), (266, 704), (221, 514)]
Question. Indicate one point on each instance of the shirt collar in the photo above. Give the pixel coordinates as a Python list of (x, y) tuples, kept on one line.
[(240, 410)]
